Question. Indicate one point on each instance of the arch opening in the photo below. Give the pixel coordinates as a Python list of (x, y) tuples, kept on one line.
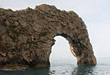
[(61, 51)]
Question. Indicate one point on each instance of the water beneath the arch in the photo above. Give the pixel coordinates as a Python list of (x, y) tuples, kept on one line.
[(64, 67)]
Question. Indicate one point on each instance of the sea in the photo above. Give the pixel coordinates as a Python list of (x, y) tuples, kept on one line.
[(64, 67)]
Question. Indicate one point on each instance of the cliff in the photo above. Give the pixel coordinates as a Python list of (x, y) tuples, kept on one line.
[(27, 36)]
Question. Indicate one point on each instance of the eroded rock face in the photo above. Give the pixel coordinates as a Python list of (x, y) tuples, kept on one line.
[(27, 36)]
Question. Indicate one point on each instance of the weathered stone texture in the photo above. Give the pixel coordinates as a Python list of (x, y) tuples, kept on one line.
[(27, 36)]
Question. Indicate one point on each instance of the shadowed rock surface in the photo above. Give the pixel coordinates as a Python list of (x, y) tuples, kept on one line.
[(27, 36)]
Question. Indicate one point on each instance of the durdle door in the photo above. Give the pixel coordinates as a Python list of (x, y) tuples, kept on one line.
[(27, 36)]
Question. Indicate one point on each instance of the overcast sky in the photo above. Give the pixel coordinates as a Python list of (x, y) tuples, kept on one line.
[(95, 13)]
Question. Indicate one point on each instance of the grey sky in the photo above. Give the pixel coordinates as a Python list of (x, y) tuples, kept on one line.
[(95, 13)]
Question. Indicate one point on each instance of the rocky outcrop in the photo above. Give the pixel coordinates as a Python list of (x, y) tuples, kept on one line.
[(27, 36)]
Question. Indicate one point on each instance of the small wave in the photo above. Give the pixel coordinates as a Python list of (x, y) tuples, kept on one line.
[(18, 69)]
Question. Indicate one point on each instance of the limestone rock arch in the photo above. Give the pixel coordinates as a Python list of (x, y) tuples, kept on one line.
[(26, 36)]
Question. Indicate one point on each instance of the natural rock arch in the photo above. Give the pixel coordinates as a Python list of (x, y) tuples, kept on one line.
[(26, 36)]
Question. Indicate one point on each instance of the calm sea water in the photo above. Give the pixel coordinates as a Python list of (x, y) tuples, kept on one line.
[(65, 67)]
